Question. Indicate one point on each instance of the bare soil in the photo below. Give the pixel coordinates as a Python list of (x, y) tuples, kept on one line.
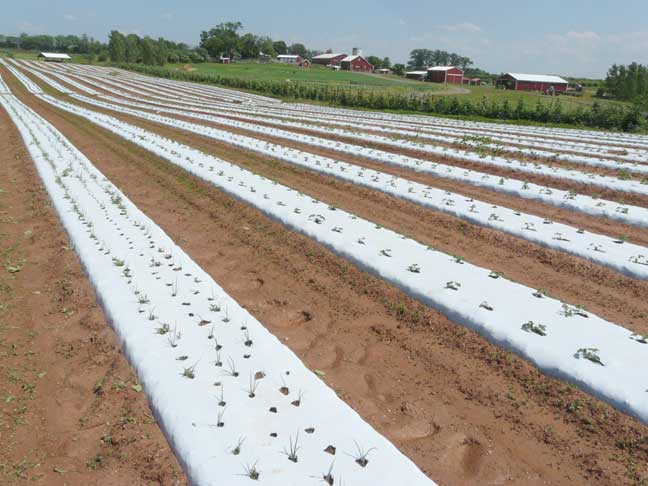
[(70, 409), (465, 411)]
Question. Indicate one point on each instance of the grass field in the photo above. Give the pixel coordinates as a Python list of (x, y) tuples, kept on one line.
[(313, 75)]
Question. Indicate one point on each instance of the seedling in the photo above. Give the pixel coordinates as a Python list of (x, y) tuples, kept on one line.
[(414, 268), (458, 259), (231, 371), (292, 449), (386, 253), (539, 329), (226, 318), (222, 402), (297, 402), (174, 337), (163, 329), (361, 455), (590, 354), (219, 419), (251, 390), (248, 340), (486, 305), (284, 390), (252, 472), (237, 449), (453, 285), (190, 372), (495, 275)]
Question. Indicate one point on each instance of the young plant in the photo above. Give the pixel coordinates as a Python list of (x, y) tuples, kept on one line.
[(293, 447), (237, 449), (452, 285), (190, 372), (539, 329), (231, 371), (590, 354), (251, 389), (251, 471), (361, 455), (414, 268)]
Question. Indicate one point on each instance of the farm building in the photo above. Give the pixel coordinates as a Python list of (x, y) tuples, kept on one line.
[(329, 59), (356, 63), (54, 57), (445, 74), (532, 82), (418, 75), (290, 59), (294, 59), (224, 60), (383, 71)]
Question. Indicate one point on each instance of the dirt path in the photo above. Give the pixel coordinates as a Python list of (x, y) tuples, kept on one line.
[(465, 411), (70, 412)]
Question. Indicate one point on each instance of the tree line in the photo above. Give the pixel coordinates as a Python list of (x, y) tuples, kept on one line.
[(72, 44), (227, 39), (626, 83), (427, 57), (133, 49)]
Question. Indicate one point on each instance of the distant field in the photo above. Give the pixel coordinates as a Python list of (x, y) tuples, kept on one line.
[(313, 75)]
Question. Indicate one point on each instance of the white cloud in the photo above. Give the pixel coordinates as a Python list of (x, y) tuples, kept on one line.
[(70, 17), (168, 16)]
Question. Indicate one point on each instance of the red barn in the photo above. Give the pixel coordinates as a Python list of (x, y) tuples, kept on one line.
[(445, 74), (329, 59), (356, 63), (532, 82)]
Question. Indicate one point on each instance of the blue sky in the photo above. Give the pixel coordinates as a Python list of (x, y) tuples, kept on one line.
[(568, 37)]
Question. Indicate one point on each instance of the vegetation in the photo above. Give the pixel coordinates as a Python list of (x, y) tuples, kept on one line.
[(628, 83), (428, 57), (225, 39), (597, 115), (133, 49)]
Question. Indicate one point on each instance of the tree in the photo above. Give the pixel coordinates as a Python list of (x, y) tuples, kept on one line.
[(222, 39), (298, 49), (264, 44), (161, 52), (419, 58), (398, 69), (117, 46), (148, 51), (132, 48), (375, 61), (386, 63), (280, 47), (247, 46)]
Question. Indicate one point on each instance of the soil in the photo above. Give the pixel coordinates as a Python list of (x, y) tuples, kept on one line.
[(71, 412), (467, 412)]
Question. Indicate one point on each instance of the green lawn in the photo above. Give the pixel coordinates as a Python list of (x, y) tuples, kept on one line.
[(314, 75)]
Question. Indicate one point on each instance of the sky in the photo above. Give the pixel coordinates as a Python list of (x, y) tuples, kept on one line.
[(565, 37)]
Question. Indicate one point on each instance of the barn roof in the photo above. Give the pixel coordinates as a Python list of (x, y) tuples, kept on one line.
[(351, 58), (328, 55), (417, 73), (537, 78), (442, 68), (53, 55), (288, 56)]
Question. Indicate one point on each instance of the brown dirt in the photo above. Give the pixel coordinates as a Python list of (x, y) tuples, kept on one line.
[(465, 411), (68, 412)]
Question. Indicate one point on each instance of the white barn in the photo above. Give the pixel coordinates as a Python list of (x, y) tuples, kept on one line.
[(54, 57)]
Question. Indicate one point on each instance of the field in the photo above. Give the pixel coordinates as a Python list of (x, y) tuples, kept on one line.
[(314, 75), (312, 294)]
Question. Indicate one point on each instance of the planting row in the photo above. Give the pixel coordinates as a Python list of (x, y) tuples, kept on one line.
[(235, 404), (624, 257), (540, 148), (559, 338)]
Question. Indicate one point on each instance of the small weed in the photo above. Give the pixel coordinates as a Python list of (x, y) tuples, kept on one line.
[(539, 329)]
